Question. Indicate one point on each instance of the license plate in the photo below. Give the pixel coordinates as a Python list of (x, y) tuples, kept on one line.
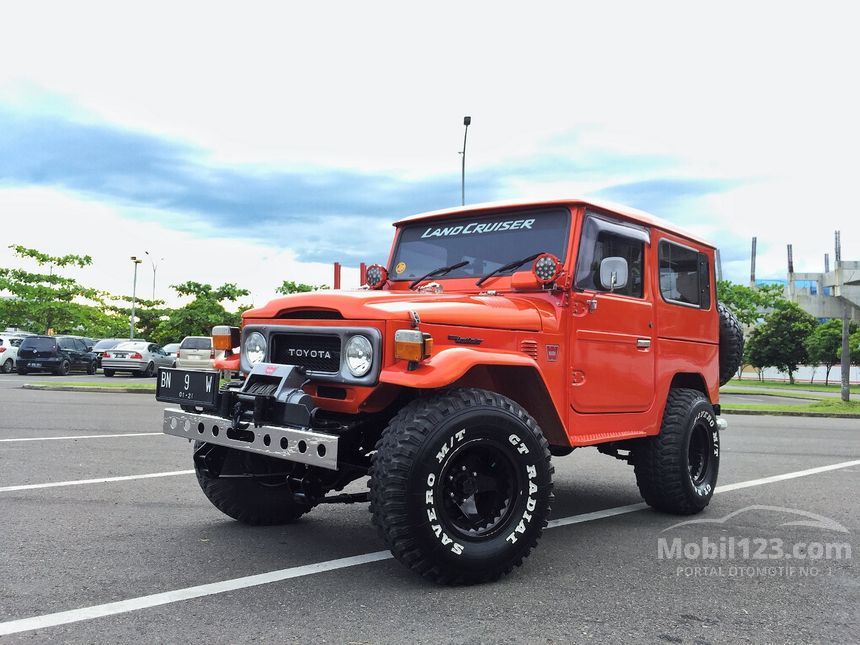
[(35, 365), (187, 387), (120, 355)]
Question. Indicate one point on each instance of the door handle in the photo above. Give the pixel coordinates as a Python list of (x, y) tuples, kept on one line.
[(592, 304), (643, 343)]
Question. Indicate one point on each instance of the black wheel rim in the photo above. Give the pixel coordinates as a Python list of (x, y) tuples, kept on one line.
[(699, 454), (480, 488)]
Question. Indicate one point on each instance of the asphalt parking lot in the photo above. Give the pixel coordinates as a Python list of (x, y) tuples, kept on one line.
[(135, 558)]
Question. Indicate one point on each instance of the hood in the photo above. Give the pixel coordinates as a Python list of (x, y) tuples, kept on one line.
[(493, 312)]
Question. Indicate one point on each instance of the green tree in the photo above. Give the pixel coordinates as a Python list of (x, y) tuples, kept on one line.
[(780, 340), (289, 286), (824, 345), (201, 314), (148, 315), (854, 347), (44, 299), (750, 305)]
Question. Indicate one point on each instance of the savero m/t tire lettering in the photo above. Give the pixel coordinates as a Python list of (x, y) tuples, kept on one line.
[(677, 469), (461, 486)]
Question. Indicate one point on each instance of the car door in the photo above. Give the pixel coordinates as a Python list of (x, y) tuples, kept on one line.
[(612, 330), (157, 355), (81, 354), (66, 350)]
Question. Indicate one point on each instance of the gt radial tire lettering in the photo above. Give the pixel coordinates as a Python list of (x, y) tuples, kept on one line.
[(531, 504)]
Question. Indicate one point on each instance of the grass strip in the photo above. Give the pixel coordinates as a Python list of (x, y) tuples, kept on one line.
[(780, 385), (824, 407)]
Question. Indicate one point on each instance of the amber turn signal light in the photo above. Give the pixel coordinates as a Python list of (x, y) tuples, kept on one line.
[(377, 276), (225, 337), (412, 345)]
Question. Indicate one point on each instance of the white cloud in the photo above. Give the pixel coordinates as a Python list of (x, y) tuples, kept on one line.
[(59, 223)]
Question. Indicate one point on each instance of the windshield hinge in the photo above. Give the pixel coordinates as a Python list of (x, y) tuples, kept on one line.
[(416, 320)]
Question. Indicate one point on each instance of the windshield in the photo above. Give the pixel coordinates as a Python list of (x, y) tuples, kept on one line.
[(486, 242), (197, 342), (39, 344), (107, 343)]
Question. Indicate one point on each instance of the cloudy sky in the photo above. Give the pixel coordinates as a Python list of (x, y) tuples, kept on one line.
[(257, 142)]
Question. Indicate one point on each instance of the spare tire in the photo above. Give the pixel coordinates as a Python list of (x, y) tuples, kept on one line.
[(731, 343)]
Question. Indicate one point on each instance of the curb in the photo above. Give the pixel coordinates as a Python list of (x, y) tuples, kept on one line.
[(786, 413), (75, 388)]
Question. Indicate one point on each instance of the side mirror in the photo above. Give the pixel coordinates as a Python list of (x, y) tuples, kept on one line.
[(613, 273)]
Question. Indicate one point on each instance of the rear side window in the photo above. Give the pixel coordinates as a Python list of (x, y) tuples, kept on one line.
[(684, 276), (66, 343), (196, 343), (39, 344), (604, 237)]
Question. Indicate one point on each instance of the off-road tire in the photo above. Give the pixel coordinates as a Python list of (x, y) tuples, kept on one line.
[(662, 462), (731, 343), (7, 366), (248, 500), (417, 456)]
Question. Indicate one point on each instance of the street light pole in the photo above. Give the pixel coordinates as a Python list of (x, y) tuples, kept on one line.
[(136, 261), (467, 120), (154, 269)]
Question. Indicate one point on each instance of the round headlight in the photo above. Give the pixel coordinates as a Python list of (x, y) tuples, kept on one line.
[(255, 347), (359, 355)]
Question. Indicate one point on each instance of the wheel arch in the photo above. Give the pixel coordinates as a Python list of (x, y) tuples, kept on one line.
[(525, 386), (692, 381)]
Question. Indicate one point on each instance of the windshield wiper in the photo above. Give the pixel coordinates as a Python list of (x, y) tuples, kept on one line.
[(510, 265), (435, 273)]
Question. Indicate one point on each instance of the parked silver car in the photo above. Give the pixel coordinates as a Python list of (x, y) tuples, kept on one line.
[(141, 358)]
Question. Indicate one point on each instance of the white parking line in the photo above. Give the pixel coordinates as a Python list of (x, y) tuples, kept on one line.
[(86, 436), (102, 480), (167, 597)]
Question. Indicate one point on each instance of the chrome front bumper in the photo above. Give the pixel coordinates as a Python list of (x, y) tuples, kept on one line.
[(291, 444)]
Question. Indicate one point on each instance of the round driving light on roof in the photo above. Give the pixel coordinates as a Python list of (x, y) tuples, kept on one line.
[(377, 275), (255, 348), (546, 268), (359, 356)]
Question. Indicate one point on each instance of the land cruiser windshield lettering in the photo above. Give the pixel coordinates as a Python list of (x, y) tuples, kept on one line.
[(487, 242)]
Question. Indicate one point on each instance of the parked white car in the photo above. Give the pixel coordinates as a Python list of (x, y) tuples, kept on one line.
[(197, 353), (140, 358), (9, 352)]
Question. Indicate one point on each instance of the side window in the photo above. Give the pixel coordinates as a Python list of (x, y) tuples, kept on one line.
[(80, 345), (604, 238), (65, 343), (684, 275)]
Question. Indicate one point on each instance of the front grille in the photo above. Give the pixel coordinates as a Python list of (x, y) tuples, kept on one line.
[(314, 352)]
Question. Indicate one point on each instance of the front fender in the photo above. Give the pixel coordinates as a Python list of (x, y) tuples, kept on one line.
[(449, 365)]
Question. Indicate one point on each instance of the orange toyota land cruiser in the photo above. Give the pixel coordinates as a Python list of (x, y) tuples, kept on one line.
[(497, 337)]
